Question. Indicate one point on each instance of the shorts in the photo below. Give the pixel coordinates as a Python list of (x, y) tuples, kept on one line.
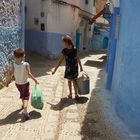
[(24, 91)]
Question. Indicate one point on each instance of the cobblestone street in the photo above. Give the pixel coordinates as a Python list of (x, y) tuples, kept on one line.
[(61, 118)]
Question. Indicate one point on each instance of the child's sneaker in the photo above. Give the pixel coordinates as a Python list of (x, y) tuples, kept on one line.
[(26, 115)]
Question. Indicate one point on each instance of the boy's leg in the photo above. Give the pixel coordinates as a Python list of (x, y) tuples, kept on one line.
[(25, 105), (25, 96), (25, 113), (22, 103), (70, 88)]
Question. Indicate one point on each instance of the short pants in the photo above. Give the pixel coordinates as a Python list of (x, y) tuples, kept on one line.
[(24, 91)]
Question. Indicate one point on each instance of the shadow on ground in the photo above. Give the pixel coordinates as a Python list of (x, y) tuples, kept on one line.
[(66, 102), (40, 65), (16, 117), (34, 115), (98, 64), (94, 125), (94, 52)]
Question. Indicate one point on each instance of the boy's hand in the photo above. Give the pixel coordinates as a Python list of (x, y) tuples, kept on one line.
[(36, 82)]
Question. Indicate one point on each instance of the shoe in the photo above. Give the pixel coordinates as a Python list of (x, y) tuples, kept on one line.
[(76, 97), (26, 115)]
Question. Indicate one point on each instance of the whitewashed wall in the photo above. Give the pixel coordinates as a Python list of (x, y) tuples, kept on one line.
[(60, 19)]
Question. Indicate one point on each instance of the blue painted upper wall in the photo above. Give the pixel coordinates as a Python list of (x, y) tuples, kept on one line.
[(112, 47), (11, 31), (126, 78)]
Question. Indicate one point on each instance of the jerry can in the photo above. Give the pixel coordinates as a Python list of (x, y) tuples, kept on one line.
[(83, 82)]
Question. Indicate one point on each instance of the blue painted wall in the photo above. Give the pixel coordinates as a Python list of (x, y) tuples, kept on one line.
[(126, 77), (11, 31), (112, 48), (44, 43)]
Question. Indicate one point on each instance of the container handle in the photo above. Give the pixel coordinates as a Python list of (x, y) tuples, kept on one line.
[(85, 74)]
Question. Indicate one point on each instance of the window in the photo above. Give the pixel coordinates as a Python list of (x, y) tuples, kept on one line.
[(36, 21), (86, 1), (94, 3), (42, 14), (42, 27)]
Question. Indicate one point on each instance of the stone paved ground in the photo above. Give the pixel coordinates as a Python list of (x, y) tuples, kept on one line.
[(61, 118)]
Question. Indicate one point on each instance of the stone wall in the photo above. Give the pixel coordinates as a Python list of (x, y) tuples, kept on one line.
[(11, 31)]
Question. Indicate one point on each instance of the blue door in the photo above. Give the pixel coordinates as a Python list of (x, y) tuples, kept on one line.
[(105, 43), (78, 35)]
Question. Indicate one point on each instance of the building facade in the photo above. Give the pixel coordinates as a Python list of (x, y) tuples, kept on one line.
[(123, 67), (48, 20), (100, 5), (11, 31), (100, 38)]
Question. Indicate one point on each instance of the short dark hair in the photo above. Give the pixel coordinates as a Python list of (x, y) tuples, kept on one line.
[(19, 52)]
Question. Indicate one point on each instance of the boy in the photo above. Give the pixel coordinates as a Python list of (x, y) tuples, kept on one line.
[(21, 72)]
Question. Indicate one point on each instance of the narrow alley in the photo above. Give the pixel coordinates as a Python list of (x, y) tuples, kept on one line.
[(61, 118), (106, 35)]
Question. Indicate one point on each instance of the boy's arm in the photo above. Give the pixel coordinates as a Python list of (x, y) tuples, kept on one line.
[(30, 75), (59, 63), (9, 76), (79, 62)]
